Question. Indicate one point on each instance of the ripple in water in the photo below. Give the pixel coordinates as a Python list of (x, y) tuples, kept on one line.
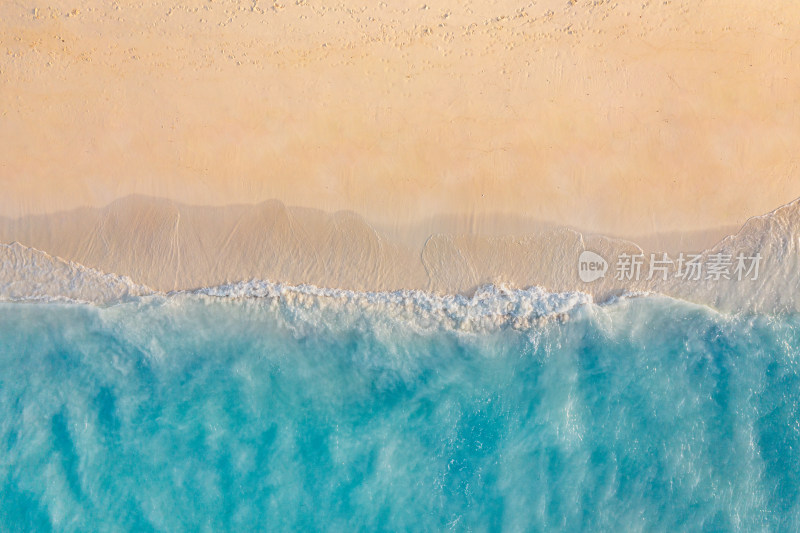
[(191, 413)]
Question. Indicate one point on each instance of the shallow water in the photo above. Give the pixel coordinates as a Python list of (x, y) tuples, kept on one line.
[(192, 413)]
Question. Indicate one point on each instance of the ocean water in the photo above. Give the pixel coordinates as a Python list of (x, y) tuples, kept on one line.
[(193, 412)]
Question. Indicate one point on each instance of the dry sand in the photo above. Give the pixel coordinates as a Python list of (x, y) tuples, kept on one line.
[(626, 118), (434, 123)]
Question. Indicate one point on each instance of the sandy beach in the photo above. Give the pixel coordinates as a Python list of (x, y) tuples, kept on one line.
[(370, 146), (422, 265)]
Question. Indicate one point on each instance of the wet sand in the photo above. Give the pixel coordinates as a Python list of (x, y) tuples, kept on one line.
[(164, 246)]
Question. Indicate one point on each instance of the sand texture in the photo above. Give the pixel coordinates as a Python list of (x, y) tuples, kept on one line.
[(625, 118)]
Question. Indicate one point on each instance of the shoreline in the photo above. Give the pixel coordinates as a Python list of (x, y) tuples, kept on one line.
[(167, 247)]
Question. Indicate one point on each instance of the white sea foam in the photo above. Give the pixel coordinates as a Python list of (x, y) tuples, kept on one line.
[(489, 308), (27, 274)]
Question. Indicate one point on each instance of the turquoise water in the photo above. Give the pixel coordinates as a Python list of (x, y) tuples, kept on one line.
[(199, 414)]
